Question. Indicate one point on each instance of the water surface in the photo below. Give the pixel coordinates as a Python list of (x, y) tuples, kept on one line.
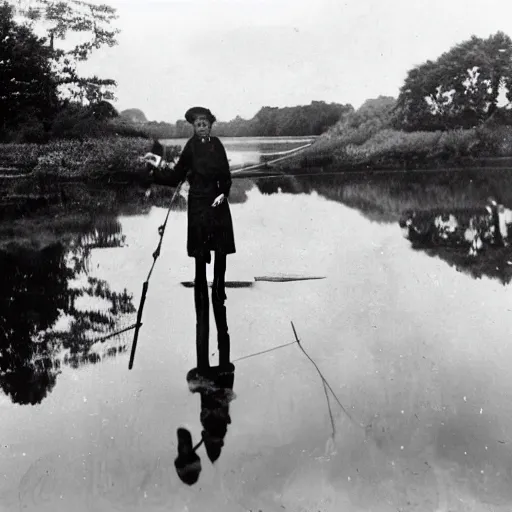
[(413, 341), (249, 150)]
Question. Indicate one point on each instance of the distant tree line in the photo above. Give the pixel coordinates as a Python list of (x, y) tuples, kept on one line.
[(312, 119)]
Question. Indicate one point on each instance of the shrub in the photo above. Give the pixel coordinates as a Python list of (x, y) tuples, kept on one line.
[(394, 147), (91, 157), (494, 140), (457, 143)]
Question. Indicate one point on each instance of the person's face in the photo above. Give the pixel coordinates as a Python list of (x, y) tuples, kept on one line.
[(202, 126)]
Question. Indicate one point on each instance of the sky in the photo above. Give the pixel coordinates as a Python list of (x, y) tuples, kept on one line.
[(235, 56)]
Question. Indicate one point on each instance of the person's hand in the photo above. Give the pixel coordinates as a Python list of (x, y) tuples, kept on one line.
[(152, 159), (218, 200)]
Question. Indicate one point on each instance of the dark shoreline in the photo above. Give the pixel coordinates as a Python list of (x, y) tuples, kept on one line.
[(269, 171)]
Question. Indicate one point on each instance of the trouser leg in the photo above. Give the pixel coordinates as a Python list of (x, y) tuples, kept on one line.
[(202, 314), (219, 309)]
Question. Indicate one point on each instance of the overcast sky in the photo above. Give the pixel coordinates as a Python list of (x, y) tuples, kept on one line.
[(235, 56)]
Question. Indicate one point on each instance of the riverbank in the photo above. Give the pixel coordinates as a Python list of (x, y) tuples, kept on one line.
[(88, 159), (116, 159), (388, 149)]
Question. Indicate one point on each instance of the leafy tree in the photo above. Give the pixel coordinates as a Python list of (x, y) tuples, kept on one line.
[(312, 119), (75, 121), (103, 110), (377, 110), (357, 126), (134, 115), (59, 19), (28, 91), (265, 121), (460, 89)]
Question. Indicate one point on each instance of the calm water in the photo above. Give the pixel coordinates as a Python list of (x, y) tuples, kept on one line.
[(248, 150), (412, 334)]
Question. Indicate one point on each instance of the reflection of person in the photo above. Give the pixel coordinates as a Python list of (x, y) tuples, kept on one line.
[(204, 163), (215, 416), (216, 395), (187, 463)]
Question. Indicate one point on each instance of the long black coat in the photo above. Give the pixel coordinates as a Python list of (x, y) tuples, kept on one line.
[(205, 165)]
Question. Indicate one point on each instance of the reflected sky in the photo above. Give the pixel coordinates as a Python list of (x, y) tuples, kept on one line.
[(416, 352)]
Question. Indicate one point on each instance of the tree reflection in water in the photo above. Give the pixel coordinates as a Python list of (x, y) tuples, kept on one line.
[(52, 311), (445, 214), (476, 242)]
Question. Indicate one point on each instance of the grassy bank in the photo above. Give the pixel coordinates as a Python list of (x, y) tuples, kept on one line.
[(116, 158), (90, 159), (359, 148)]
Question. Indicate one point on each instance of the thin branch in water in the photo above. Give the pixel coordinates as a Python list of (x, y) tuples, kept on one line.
[(330, 410), (264, 351), (323, 379), (105, 338)]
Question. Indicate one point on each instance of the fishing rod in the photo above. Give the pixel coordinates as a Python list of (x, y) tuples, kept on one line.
[(161, 232), (157, 147)]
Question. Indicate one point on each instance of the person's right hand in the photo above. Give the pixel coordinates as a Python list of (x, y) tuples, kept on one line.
[(152, 159)]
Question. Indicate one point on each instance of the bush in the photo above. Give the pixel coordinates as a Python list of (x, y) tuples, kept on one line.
[(22, 155), (31, 131), (494, 140), (391, 144), (91, 157), (395, 148), (458, 143)]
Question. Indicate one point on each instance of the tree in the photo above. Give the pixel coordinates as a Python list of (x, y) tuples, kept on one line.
[(28, 90), (265, 121), (135, 115), (375, 110), (103, 110), (357, 126), (460, 89), (92, 22)]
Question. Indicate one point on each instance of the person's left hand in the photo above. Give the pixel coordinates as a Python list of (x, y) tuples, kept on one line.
[(218, 200)]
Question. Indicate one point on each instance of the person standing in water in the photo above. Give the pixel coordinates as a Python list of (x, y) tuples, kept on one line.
[(203, 162)]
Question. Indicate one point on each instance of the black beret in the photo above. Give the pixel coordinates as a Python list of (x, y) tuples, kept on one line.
[(193, 112)]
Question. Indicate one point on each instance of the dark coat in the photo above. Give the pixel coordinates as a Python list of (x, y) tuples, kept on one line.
[(206, 167)]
